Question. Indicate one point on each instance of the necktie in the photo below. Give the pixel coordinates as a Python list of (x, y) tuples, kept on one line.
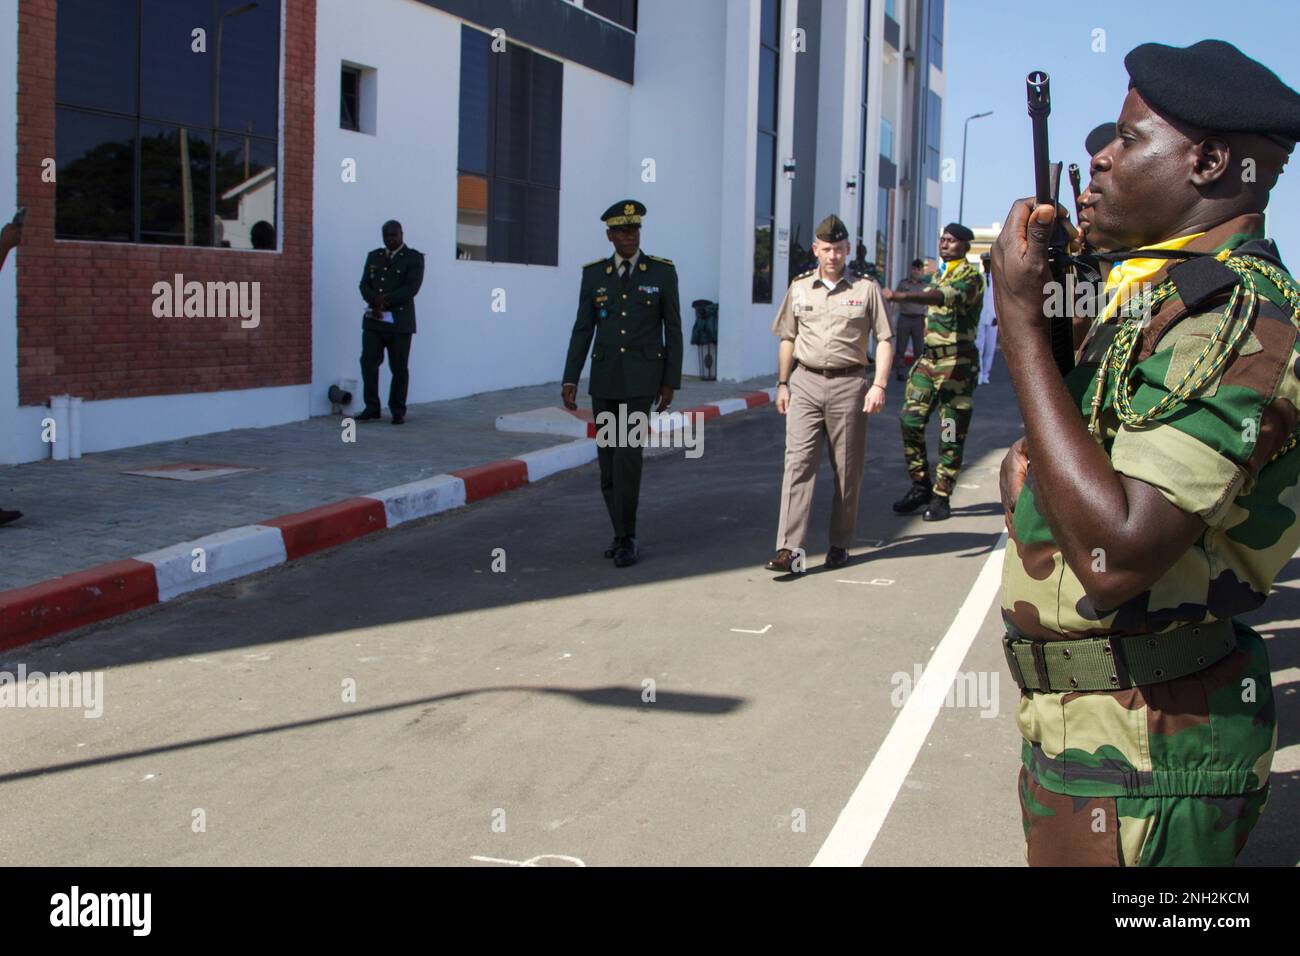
[(624, 271)]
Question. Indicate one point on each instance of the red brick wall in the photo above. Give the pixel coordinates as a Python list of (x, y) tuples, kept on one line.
[(85, 309)]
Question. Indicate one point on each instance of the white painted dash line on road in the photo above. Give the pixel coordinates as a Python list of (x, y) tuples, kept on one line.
[(879, 582), (741, 630), (859, 823)]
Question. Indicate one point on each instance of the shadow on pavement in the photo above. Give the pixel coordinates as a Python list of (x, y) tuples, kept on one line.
[(611, 696)]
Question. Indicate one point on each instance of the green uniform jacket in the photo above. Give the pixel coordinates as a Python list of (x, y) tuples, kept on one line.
[(957, 321), (638, 332), (399, 280)]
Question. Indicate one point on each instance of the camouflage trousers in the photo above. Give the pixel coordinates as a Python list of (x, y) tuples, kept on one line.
[(1167, 774), (947, 382), (1061, 830)]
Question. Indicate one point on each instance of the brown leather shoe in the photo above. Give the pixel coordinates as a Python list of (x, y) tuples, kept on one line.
[(837, 557), (782, 561), (7, 516)]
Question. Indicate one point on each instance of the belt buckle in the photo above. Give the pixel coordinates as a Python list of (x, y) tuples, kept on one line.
[(1013, 665)]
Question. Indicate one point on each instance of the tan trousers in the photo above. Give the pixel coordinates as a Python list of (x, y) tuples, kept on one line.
[(822, 409)]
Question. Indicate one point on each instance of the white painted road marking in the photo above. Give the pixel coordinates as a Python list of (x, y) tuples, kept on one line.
[(879, 582), (860, 821), (741, 630), (531, 861)]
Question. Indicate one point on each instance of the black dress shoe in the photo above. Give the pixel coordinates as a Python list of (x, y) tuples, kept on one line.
[(938, 510), (919, 494), (370, 415), (399, 417), (627, 553), (9, 516), (837, 557), (613, 547), (782, 561)]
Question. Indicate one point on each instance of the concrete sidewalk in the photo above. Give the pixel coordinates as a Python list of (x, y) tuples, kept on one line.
[(77, 514)]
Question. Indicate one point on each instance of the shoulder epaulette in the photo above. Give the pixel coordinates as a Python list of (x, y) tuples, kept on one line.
[(666, 262), (804, 275), (595, 262)]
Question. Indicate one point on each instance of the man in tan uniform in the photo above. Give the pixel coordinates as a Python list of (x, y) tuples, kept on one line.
[(824, 322)]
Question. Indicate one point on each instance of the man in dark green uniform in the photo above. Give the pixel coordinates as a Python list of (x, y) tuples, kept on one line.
[(391, 279), (628, 304)]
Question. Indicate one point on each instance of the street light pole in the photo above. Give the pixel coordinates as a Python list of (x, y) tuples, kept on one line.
[(961, 201)]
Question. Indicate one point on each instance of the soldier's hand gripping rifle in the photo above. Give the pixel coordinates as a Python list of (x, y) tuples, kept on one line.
[(1047, 187)]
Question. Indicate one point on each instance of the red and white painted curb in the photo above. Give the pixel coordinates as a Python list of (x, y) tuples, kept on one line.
[(38, 611)]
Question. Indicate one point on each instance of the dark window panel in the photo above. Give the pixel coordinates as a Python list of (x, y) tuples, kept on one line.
[(622, 12), (246, 186), (547, 108), (764, 176), (936, 33), (96, 51), (543, 219), (762, 261), (350, 99), (249, 68), (770, 24), (768, 89), (475, 112), (176, 82), (514, 70), (166, 152), (471, 217), (96, 176), (507, 240)]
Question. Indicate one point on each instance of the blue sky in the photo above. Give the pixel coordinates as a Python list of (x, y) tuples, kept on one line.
[(992, 44)]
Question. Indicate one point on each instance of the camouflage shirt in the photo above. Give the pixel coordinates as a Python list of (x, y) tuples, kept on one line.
[(957, 321), (1212, 732)]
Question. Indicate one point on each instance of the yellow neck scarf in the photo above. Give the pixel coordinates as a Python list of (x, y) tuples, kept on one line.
[(1129, 275)]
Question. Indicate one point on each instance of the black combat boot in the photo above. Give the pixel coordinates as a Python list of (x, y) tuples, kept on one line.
[(938, 510), (919, 494)]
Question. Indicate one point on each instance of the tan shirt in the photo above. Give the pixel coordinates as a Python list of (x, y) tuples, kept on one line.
[(830, 325)]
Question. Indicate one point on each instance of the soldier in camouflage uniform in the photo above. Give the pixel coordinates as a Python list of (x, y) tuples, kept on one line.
[(1155, 495), (945, 374)]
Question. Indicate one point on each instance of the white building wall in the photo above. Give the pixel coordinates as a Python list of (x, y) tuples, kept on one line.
[(407, 171), (675, 119)]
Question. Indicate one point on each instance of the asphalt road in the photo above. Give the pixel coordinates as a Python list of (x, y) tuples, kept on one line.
[(506, 715)]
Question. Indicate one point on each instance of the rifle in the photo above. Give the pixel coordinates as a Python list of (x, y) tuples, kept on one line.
[(1047, 188)]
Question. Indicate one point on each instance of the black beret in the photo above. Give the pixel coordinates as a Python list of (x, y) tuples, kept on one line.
[(1213, 86), (831, 229), (1098, 138), (959, 232), (625, 212)]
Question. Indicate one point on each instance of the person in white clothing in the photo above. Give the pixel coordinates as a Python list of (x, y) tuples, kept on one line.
[(986, 339)]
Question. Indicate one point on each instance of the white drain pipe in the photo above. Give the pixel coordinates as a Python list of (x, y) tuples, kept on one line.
[(59, 412)]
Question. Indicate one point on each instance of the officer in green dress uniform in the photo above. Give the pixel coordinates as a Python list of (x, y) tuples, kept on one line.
[(389, 283), (628, 304)]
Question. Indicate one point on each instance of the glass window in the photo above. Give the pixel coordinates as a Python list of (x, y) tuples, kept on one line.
[(175, 174), (508, 176), (933, 134), (98, 48), (135, 132), (245, 188), (936, 33), (95, 184), (622, 12), (769, 86), (475, 48), (350, 99), (931, 250), (884, 224), (887, 139)]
